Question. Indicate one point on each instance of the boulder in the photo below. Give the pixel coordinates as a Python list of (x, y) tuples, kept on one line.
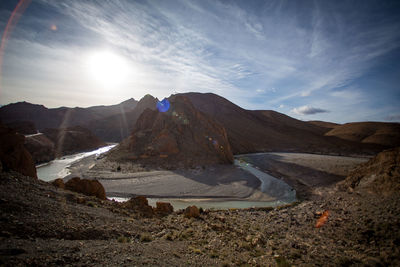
[(13, 155), (58, 183), (140, 205), (163, 208), (192, 212), (86, 187)]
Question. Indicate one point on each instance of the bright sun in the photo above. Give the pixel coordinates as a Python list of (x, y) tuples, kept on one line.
[(107, 68)]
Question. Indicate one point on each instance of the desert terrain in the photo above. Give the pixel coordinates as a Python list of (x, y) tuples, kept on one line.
[(46, 225)]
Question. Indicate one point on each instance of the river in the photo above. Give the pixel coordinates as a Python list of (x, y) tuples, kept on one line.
[(58, 168), (270, 185)]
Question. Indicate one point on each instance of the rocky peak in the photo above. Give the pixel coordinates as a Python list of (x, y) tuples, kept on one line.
[(180, 137), (148, 101)]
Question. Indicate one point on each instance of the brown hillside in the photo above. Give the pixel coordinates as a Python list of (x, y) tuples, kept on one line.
[(324, 124), (386, 134), (43, 117), (266, 130), (41, 148), (380, 175), (73, 139), (180, 137)]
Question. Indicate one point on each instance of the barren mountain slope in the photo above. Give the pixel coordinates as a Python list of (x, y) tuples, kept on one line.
[(266, 130), (386, 134), (43, 117)]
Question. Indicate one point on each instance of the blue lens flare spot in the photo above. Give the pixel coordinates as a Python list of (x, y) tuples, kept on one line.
[(163, 105)]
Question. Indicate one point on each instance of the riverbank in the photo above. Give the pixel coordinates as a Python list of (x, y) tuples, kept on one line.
[(218, 182), (305, 173)]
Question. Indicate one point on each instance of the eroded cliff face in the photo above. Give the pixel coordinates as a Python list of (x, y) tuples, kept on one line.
[(182, 136), (380, 175), (13, 155)]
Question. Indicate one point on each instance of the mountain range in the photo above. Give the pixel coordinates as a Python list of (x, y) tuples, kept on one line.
[(247, 131)]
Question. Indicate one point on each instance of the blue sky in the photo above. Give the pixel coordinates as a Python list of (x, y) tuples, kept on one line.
[(336, 61)]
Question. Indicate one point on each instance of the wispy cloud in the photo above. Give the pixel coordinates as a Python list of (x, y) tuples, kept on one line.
[(308, 110), (273, 52)]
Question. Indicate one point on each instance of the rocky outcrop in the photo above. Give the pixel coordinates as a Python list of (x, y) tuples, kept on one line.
[(86, 187), (140, 205), (192, 212), (72, 140), (380, 175), (179, 137), (59, 183), (13, 155), (163, 208), (41, 148)]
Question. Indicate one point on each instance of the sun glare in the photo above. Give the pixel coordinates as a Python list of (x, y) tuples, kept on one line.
[(107, 68)]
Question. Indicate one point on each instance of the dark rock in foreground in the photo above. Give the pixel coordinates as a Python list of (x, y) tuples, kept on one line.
[(13, 155), (163, 208), (140, 205), (86, 187), (192, 212)]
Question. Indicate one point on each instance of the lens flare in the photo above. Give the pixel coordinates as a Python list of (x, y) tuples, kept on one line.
[(12, 21), (163, 105)]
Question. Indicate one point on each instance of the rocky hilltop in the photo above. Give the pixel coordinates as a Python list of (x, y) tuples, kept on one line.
[(180, 136)]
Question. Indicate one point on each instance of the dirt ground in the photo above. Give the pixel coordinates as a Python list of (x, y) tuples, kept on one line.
[(45, 226)]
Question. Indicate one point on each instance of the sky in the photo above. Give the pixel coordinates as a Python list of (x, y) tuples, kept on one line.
[(335, 61)]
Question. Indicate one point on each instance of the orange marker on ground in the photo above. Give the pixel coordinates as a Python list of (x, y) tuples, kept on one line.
[(323, 219)]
